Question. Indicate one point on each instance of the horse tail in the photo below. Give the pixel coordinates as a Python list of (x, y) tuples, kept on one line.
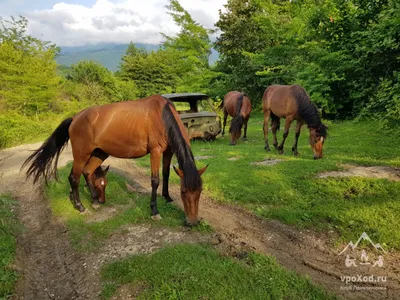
[(238, 119), (275, 121), (181, 148), (43, 162)]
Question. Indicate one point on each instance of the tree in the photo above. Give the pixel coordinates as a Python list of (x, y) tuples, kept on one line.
[(151, 72), (344, 52), (28, 75), (181, 65)]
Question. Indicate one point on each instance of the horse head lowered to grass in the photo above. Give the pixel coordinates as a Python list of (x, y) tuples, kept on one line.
[(130, 129), (293, 103)]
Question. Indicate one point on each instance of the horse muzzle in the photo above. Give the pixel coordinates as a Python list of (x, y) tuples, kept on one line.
[(191, 224)]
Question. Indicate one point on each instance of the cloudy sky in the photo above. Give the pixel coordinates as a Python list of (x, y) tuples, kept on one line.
[(81, 22)]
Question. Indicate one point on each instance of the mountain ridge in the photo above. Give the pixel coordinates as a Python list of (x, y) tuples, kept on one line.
[(109, 55)]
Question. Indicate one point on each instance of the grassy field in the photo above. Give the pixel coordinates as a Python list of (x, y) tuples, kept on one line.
[(290, 192), (8, 227), (200, 272)]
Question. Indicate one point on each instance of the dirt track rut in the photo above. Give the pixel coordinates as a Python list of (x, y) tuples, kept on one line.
[(52, 269)]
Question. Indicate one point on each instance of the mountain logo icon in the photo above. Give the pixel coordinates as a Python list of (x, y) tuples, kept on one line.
[(364, 236)]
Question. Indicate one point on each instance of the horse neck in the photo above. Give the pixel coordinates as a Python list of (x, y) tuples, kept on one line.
[(179, 142)]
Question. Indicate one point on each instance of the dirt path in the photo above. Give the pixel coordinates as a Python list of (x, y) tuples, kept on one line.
[(50, 268), (49, 263)]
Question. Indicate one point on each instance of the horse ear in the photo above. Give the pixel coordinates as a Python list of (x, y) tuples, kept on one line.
[(178, 172), (106, 170), (201, 171)]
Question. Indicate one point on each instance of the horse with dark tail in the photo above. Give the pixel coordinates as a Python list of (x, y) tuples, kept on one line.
[(130, 129), (238, 106), (292, 103)]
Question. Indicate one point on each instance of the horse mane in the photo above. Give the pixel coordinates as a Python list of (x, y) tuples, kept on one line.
[(178, 144), (307, 110)]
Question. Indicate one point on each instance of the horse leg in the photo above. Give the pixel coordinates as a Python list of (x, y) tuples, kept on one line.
[(167, 157), (274, 129), (289, 120), (155, 157), (298, 130), (245, 128), (224, 122), (267, 114), (74, 179), (91, 166)]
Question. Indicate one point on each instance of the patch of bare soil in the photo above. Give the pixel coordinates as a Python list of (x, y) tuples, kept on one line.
[(141, 239), (203, 157), (234, 158), (129, 291), (267, 162), (379, 172)]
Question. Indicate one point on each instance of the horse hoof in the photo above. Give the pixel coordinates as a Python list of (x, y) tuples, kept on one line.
[(96, 206), (244, 139), (156, 217), (280, 151), (232, 144), (83, 212), (169, 199), (266, 148)]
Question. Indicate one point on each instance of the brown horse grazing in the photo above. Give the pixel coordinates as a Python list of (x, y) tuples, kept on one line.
[(129, 129), (293, 103), (238, 106)]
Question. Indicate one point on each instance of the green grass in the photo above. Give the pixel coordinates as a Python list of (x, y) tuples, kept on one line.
[(16, 129), (199, 272), (289, 191), (134, 209), (8, 226)]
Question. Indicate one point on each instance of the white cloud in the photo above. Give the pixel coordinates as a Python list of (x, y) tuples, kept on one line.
[(120, 22)]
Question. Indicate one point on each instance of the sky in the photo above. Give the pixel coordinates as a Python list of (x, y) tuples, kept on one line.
[(83, 22)]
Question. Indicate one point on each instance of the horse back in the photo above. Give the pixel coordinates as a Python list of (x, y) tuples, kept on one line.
[(123, 129), (230, 101), (279, 100)]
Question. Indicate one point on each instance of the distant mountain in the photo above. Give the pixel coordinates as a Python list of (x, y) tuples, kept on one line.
[(109, 55)]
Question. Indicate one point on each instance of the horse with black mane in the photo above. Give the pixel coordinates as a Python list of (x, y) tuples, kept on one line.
[(293, 103), (130, 129), (238, 106)]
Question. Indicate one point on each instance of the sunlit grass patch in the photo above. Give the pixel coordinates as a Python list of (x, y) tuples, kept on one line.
[(200, 272), (290, 190)]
